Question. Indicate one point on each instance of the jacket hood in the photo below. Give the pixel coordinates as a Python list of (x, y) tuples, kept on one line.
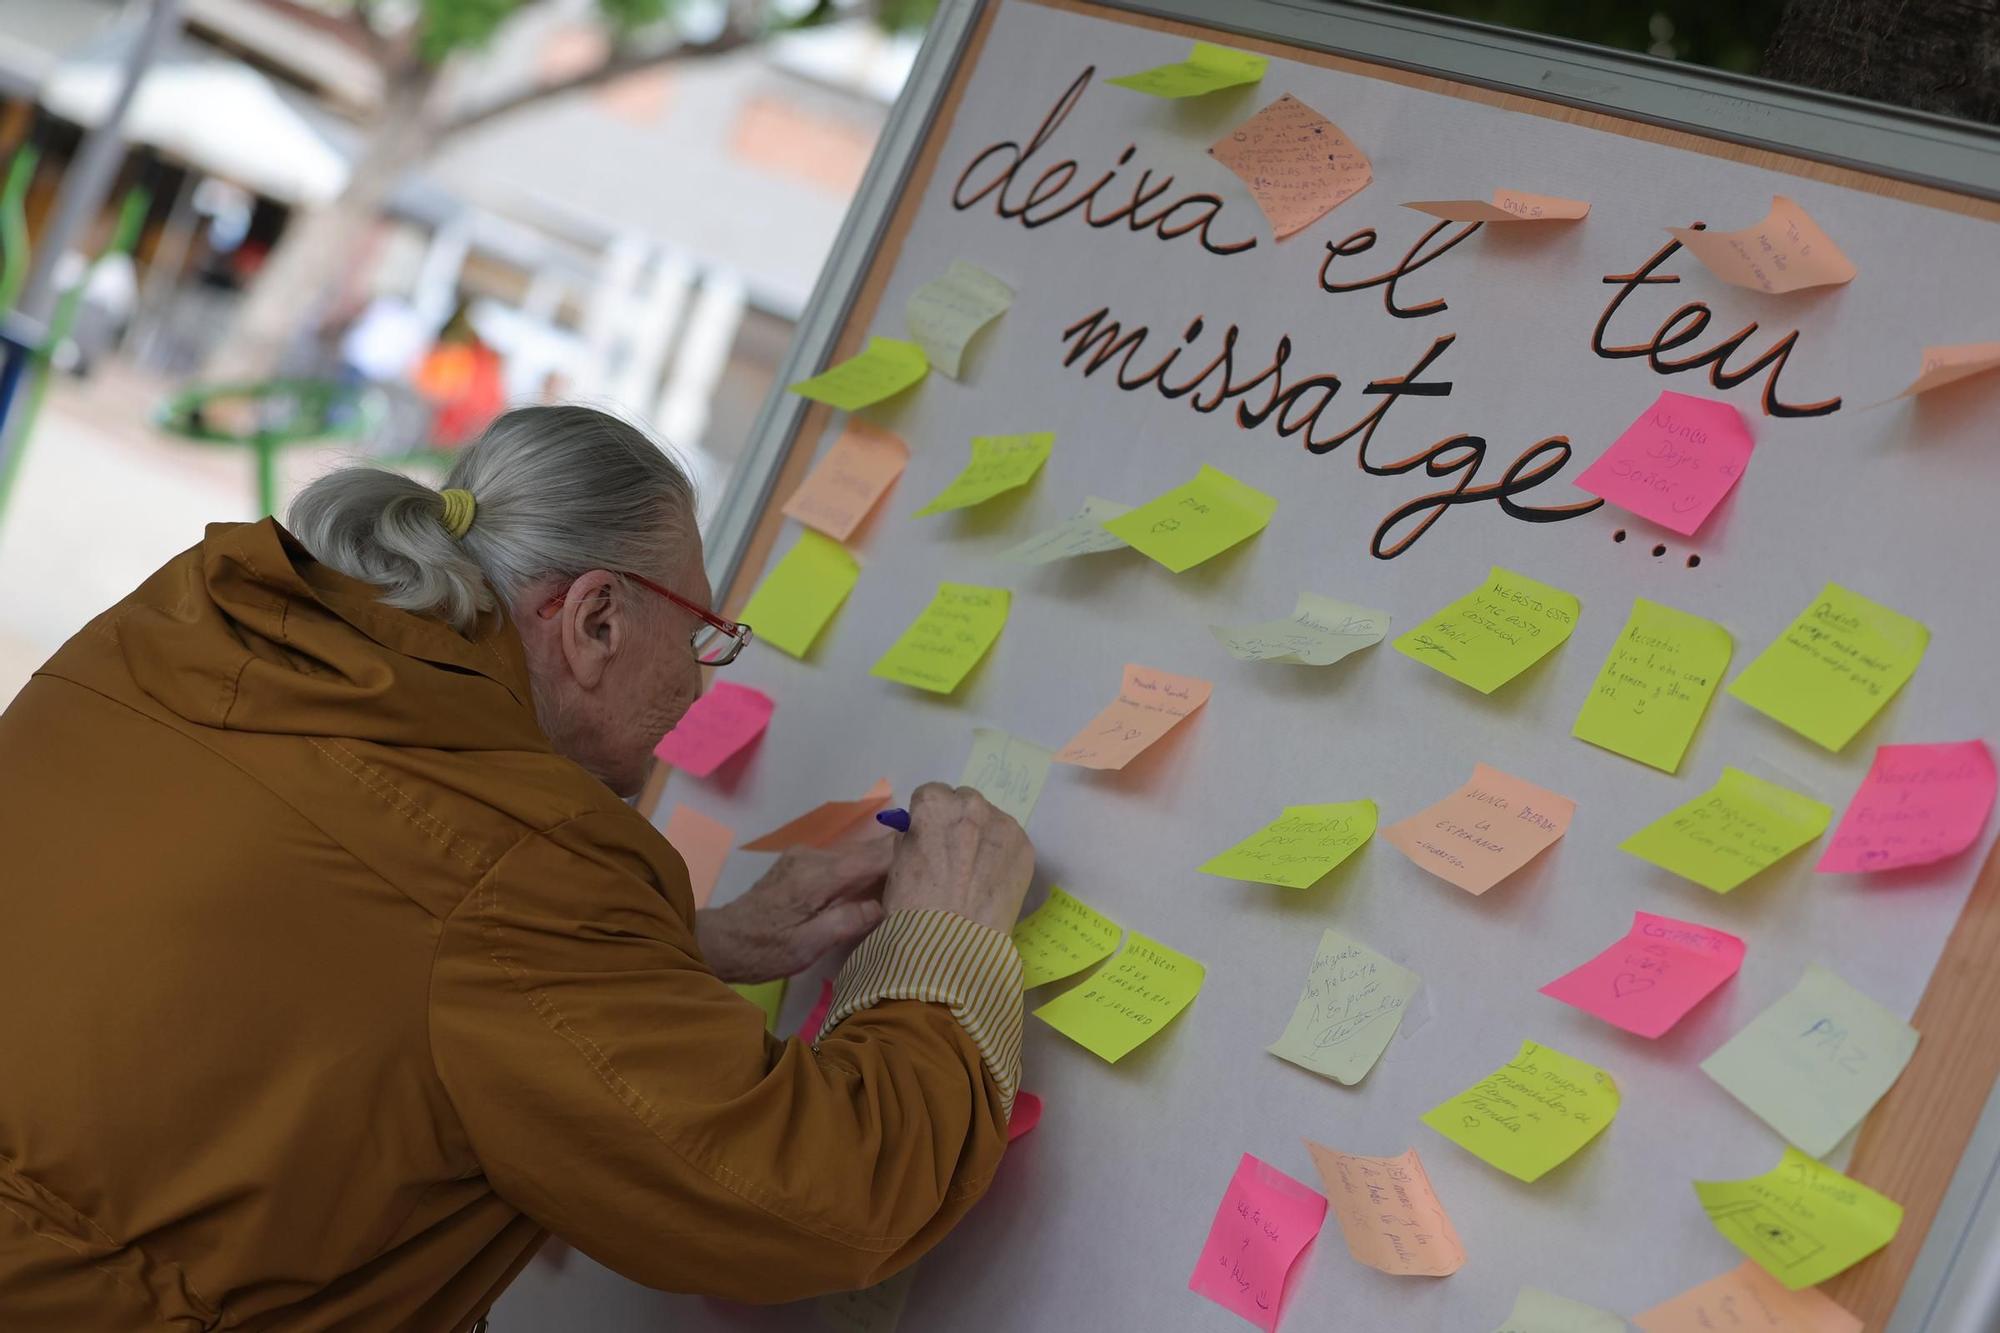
[(248, 632)]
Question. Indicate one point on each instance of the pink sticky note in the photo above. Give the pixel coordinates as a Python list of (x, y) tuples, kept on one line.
[(722, 721), (703, 844), (816, 1017), (1265, 1222), (823, 823), (1647, 981), (1027, 1114), (1918, 804), (1675, 463)]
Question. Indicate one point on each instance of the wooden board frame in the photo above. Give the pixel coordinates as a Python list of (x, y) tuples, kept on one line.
[(1911, 1146)]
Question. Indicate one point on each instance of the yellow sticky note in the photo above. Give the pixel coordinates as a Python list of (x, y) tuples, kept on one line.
[(801, 593), (1494, 633), (1296, 850), (947, 640), (1538, 1311), (1736, 828), (1126, 1001), (1484, 831), (1832, 671), (884, 369), (1531, 1114), (1195, 520), (1802, 1221), (1655, 685), (845, 484), (1207, 69), (1150, 703), (944, 313), (1388, 1212), (1815, 1062), (999, 463), (766, 995), (1747, 1298), (1007, 771), (1061, 938), (1352, 1005)]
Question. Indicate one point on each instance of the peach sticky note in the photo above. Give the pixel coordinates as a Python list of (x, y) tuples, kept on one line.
[(1648, 980), (1786, 252), (848, 479), (1027, 1114), (1297, 163), (823, 823), (1265, 1221), (1149, 705), (1675, 463), (703, 844), (1949, 365), (1484, 831), (1918, 804), (1746, 1299), (1389, 1213), (724, 720), (1507, 206)]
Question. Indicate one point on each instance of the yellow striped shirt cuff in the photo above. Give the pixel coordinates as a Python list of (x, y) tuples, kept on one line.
[(942, 958)]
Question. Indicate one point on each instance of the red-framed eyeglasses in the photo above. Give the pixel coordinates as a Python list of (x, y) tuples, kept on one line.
[(716, 643)]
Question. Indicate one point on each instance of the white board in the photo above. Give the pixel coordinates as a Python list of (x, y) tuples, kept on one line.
[(1096, 1218)]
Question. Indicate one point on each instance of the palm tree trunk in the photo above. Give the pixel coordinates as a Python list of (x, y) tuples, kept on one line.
[(1942, 56)]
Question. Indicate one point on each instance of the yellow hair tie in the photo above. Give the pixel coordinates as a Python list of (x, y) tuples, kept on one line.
[(458, 511)]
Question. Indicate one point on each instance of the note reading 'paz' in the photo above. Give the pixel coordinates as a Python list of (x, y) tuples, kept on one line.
[(883, 369), (1150, 703), (946, 641), (1531, 1114), (1654, 687), (1061, 938), (1484, 831), (1389, 1213), (1736, 828), (801, 593), (1319, 632), (1746, 1299), (1834, 668), (1508, 206), (1786, 252), (1127, 1001), (1007, 771), (848, 479), (944, 313), (1297, 163), (1918, 804), (823, 824), (1647, 981), (1353, 1001), (999, 463), (1300, 847), (1494, 633), (1814, 1063), (703, 844), (1265, 1221), (1802, 1221), (1196, 520), (726, 718), (1676, 463), (1082, 533), (1207, 69), (1538, 1311)]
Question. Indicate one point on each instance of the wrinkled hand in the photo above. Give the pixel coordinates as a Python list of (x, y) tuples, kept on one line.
[(807, 905), (962, 854)]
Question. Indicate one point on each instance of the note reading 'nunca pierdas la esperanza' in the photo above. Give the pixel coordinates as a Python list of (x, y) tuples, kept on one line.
[(1494, 633), (947, 639), (1531, 1114), (1484, 831), (1736, 828), (1802, 1221), (1676, 463), (1353, 1001), (1061, 938), (1128, 1001), (1655, 684), (1265, 1221), (1299, 848), (1828, 674)]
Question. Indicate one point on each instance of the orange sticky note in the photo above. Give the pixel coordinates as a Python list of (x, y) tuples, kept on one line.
[(1484, 831), (1297, 163), (1786, 252), (845, 484), (703, 844), (1389, 1213), (1948, 365), (823, 823), (1507, 206), (1749, 1299), (1149, 705)]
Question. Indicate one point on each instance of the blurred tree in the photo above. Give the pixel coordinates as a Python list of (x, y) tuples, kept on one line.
[(1728, 36), (1942, 57), (420, 48)]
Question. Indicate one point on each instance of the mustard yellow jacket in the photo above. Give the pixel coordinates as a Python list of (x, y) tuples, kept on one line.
[(326, 988)]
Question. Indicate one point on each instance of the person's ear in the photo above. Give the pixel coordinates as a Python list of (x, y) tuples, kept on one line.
[(594, 627)]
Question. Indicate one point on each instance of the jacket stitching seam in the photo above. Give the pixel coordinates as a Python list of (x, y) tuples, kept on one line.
[(407, 805), (209, 1313)]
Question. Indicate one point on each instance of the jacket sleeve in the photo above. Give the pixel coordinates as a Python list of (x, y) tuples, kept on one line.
[(620, 1095)]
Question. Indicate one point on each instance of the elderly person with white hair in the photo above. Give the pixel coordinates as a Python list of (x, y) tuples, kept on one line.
[(338, 972)]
